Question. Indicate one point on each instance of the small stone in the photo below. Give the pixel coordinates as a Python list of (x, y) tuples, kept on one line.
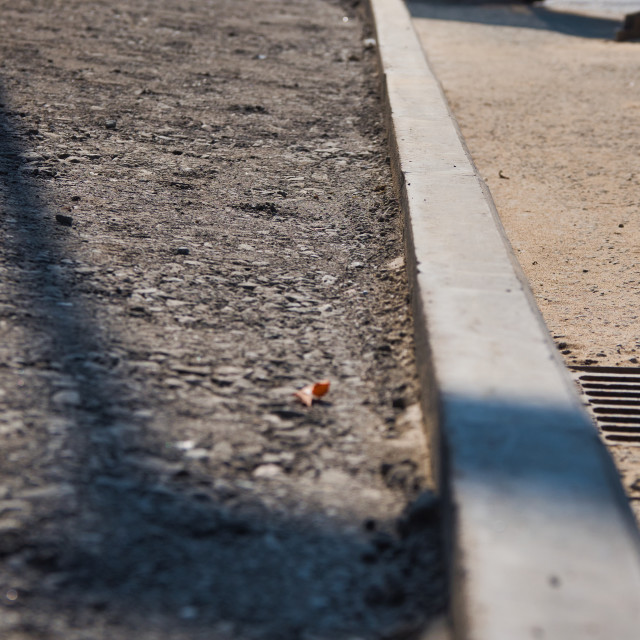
[(356, 264), (197, 454), (12, 537), (267, 471), (396, 263), (65, 221), (48, 492), (173, 303), (67, 398), (194, 370), (222, 452), (155, 464), (13, 507), (110, 124), (182, 251), (227, 374), (174, 383), (84, 271), (295, 435)]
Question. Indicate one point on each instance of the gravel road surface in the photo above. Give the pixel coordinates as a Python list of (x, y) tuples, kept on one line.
[(198, 219)]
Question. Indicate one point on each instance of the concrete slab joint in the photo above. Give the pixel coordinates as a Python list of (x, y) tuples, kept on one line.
[(542, 540)]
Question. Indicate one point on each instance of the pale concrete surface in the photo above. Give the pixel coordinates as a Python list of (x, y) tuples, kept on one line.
[(607, 8), (551, 102), (543, 542)]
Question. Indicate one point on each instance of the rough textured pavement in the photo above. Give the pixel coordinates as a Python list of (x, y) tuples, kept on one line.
[(197, 218)]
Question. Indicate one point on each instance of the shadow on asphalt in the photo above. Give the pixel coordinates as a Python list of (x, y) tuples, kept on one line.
[(150, 551), (515, 14)]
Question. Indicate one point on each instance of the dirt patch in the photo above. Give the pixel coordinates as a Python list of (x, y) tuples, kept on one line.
[(198, 218)]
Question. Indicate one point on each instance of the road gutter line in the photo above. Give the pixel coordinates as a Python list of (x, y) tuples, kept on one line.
[(542, 541)]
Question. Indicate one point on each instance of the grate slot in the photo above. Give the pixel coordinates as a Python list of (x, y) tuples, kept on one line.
[(611, 379), (614, 386), (613, 397), (634, 371), (622, 439), (619, 428), (615, 419), (612, 402), (617, 411), (613, 394)]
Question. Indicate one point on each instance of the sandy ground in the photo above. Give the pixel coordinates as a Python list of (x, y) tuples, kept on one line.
[(197, 219), (549, 106)]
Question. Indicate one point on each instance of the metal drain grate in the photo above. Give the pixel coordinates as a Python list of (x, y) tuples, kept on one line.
[(613, 396)]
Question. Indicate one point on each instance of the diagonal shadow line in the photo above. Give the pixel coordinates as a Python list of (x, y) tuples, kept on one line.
[(512, 14), (149, 548)]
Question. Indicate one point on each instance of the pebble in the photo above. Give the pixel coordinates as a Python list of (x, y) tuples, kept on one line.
[(67, 398), (31, 156), (298, 435), (226, 374), (65, 221), (155, 464), (192, 369), (267, 471), (12, 506), (396, 263), (183, 251), (12, 537), (197, 454), (174, 383), (49, 492), (222, 452)]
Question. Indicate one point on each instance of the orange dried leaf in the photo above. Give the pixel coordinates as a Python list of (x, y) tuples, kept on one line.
[(320, 388)]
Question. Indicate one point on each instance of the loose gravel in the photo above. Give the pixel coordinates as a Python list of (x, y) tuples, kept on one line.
[(197, 219)]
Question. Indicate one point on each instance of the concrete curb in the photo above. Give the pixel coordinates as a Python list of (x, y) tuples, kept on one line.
[(542, 541)]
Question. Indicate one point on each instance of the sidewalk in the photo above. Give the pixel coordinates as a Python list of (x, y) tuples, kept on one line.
[(547, 114), (198, 219)]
